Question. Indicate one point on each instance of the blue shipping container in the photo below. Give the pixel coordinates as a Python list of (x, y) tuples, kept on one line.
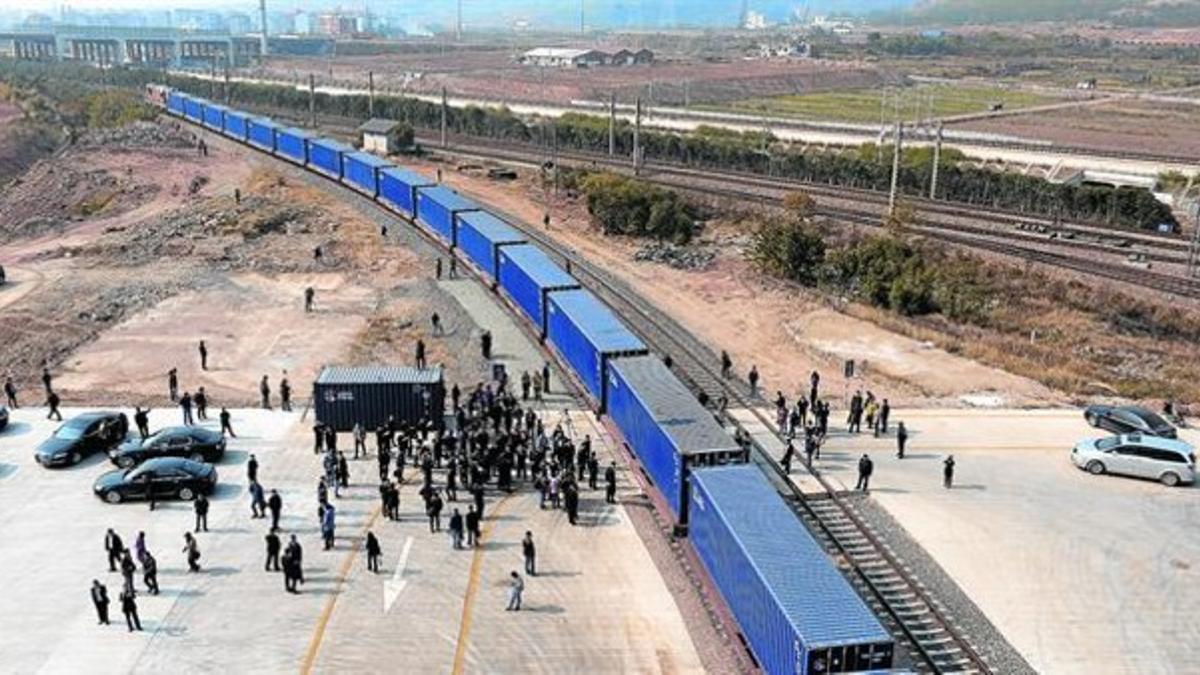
[(398, 189), (175, 103), (236, 125), (795, 609), (436, 207), (361, 171), (588, 335), (262, 133), (292, 144), (480, 235), (214, 116), (325, 155), (194, 108), (665, 426), (527, 276)]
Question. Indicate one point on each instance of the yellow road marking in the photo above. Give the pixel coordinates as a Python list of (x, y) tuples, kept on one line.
[(464, 627), (314, 644)]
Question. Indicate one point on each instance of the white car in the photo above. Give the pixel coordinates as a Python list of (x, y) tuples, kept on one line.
[(1166, 460)]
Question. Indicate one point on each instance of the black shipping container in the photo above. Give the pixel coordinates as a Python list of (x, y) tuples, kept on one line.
[(343, 396)]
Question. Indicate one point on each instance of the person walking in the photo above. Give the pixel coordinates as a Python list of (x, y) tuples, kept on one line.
[(141, 419), (99, 593), (529, 553), (193, 552), (610, 483), (10, 393), (948, 472), (726, 364), (275, 505), (128, 567), (130, 610), (295, 552), (434, 510), (252, 468), (291, 571), (437, 270), (258, 500), (360, 440), (52, 402), (264, 389), (273, 546), (150, 573), (456, 529), (901, 439), (310, 295), (472, 527), (185, 405), (226, 427), (285, 394), (201, 401), (203, 356), (752, 377), (200, 506), (516, 586), (865, 468), (374, 552), (420, 353), (327, 525), (114, 547)]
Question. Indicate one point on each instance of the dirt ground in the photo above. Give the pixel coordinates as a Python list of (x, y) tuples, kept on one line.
[(784, 332), (114, 295)]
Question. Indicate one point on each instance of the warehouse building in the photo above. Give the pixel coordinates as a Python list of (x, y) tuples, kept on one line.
[(555, 57)]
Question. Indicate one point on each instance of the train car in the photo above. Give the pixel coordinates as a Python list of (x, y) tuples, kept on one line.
[(214, 116), (398, 189), (797, 612), (325, 155), (527, 276), (667, 429), (292, 144), (193, 109), (237, 124), (480, 236), (361, 172), (436, 208), (176, 103), (262, 133), (587, 336), (157, 94)]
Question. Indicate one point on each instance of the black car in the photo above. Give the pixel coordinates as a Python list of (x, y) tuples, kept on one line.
[(81, 436), (1127, 419), (194, 443), (166, 477), (3, 417)]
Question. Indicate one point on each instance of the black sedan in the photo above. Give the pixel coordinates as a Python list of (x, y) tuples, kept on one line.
[(81, 436), (194, 443), (163, 478), (1127, 419)]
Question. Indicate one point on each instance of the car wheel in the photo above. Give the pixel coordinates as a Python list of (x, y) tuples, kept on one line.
[(126, 462), (112, 497), (1095, 467), (76, 457), (196, 457), (1169, 479), (186, 494)]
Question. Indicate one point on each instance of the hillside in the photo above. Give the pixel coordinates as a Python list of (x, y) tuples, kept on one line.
[(1174, 13)]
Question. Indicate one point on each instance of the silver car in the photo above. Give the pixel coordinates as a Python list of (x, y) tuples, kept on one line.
[(1166, 460)]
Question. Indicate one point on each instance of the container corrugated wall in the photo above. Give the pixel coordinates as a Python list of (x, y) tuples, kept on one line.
[(526, 275), (588, 335), (665, 426), (398, 189), (370, 395), (194, 109), (480, 234), (262, 133), (795, 609), (292, 144), (214, 116), (236, 125), (325, 155), (176, 103), (361, 171), (436, 207)]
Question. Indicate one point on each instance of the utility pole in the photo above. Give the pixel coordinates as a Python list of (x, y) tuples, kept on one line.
[(554, 151), (937, 158), (637, 135), (262, 17), (228, 93), (1194, 250), (582, 30), (612, 124), (458, 24), (444, 114), (212, 76), (312, 101), (895, 167), (370, 93)]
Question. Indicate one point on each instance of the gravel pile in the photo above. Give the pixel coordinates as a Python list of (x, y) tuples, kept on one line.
[(679, 257), (138, 135), (54, 193), (983, 636)]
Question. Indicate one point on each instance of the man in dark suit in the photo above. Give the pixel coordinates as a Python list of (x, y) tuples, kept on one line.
[(129, 608), (114, 546), (100, 600)]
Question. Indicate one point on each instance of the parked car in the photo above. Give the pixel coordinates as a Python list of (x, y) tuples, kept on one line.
[(195, 443), (81, 436), (1165, 460), (165, 477), (1128, 419), (3, 417)]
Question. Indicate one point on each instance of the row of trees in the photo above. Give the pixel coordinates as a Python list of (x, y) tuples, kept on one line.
[(718, 149)]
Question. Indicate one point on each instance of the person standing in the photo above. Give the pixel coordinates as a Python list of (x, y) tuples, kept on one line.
[(309, 295), (185, 405), (437, 324), (258, 501), (203, 356), (52, 402), (252, 468), (472, 527), (360, 440), (546, 377), (529, 552), (47, 380), (420, 353), (285, 394), (264, 389), (193, 552), (948, 472), (127, 569), (10, 393), (885, 411), (141, 419), (275, 504), (438, 270), (290, 571), (374, 552), (200, 506), (130, 610), (726, 364), (201, 401), (273, 546), (901, 439), (327, 525), (343, 470), (226, 427), (610, 483), (173, 384), (114, 547), (865, 468), (485, 345), (515, 587), (434, 510), (752, 377), (99, 594), (456, 529), (150, 573)]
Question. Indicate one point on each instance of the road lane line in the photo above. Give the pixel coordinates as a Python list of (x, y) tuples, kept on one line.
[(464, 627)]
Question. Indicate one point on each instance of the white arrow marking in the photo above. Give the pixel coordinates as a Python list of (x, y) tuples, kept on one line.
[(392, 587)]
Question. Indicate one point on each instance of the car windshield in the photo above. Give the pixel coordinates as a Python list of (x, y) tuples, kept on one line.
[(69, 432), (1108, 443), (1154, 421)]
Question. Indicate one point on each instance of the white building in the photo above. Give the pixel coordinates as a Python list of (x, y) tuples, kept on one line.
[(555, 57)]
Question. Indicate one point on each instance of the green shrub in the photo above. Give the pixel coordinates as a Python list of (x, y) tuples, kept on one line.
[(625, 206)]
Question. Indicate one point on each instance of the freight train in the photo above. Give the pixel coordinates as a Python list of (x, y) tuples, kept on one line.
[(794, 609)]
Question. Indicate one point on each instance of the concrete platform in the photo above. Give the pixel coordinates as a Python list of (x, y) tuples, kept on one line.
[(598, 606)]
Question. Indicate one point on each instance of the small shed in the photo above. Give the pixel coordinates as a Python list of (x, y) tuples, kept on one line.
[(381, 136), (370, 395)]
